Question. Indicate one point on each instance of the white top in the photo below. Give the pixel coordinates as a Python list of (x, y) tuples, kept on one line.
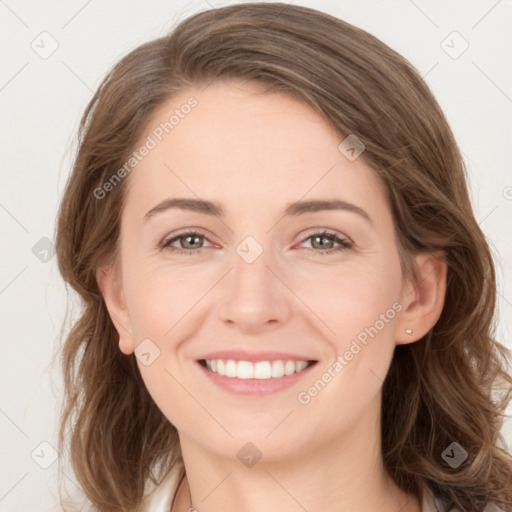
[(161, 498)]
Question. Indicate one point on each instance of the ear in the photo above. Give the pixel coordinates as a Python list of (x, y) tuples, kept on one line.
[(109, 283), (422, 298)]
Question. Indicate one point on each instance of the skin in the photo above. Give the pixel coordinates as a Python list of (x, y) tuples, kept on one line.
[(254, 153)]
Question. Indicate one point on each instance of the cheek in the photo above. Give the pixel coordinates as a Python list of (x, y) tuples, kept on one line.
[(350, 297), (360, 305), (160, 297), (161, 308)]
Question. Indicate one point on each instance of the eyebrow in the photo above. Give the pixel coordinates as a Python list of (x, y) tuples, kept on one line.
[(292, 209)]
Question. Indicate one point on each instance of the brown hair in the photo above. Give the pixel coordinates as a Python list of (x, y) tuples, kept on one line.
[(452, 385)]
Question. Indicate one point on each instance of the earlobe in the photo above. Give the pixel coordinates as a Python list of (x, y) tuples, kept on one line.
[(110, 287), (422, 299)]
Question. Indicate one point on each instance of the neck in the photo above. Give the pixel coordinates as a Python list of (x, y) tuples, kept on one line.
[(344, 474)]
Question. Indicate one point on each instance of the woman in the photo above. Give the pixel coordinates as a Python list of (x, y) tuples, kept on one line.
[(288, 302)]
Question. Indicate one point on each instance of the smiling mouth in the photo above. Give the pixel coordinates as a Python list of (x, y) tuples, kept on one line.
[(261, 370)]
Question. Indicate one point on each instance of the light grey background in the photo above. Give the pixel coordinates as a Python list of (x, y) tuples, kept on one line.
[(42, 99)]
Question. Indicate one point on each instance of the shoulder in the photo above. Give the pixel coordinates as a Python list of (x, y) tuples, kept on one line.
[(161, 497)]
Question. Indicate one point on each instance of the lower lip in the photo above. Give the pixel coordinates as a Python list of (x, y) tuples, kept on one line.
[(254, 387)]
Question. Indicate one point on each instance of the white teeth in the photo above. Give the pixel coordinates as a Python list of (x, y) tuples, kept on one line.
[(244, 370), (277, 369), (289, 367), (230, 368), (259, 370), (300, 365), (262, 370)]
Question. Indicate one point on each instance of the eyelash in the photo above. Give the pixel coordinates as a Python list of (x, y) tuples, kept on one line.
[(345, 244)]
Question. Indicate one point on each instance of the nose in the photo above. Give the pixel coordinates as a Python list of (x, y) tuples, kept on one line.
[(254, 296)]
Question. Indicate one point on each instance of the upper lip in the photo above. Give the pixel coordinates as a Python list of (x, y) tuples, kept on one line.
[(243, 355)]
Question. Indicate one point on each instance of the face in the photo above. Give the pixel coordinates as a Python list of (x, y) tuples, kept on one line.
[(259, 281)]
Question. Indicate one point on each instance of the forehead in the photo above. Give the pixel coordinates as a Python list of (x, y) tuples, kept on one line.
[(241, 146)]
